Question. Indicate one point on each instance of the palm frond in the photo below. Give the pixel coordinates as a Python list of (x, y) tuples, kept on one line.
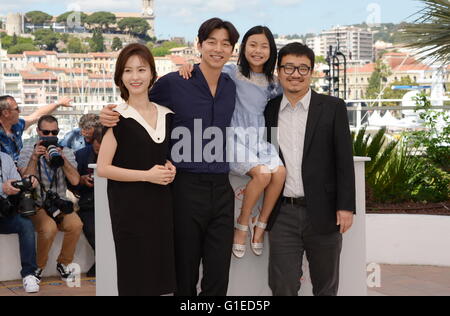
[(429, 33)]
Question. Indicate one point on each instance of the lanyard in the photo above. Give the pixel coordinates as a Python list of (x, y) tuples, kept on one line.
[(50, 179)]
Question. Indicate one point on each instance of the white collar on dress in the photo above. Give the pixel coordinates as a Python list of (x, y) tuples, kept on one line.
[(159, 134)]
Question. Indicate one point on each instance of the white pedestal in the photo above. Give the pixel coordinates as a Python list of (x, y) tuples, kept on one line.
[(248, 276)]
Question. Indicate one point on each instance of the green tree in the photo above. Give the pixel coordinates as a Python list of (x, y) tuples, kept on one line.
[(320, 60), (7, 41), (14, 40), (63, 18), (75, 46), (65, 38), (377, 81), (97, 42), (134, 26), (20, 48), (164, 48), (116, 44), (38, 17), (46, 39), (436, 135), (429, 33), (389, 93), (101, 19)]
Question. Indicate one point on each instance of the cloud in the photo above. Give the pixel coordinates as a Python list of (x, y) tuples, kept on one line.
[(287, 3)]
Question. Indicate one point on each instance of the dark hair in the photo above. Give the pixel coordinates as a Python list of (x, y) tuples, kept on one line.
[(129, 51), (4, 104), (297, 49), (209, 26), (48, 119), (269, 66), (98, 134), (89, 120)]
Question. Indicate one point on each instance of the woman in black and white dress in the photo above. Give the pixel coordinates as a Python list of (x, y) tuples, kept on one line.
[(133, 157)]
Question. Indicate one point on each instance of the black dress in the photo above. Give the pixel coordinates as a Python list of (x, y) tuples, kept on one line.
[(141, 212)]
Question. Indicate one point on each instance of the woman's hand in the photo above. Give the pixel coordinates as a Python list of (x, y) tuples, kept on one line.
[(161, 175), (185, 71), (108, 117)]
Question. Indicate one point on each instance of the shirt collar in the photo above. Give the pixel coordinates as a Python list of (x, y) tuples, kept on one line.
[(156, 134), (305, 101)]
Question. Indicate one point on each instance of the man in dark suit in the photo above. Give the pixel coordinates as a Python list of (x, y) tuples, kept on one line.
[(318, 201)]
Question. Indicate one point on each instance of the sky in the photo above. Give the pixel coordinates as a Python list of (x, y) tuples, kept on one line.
[(183, 17)]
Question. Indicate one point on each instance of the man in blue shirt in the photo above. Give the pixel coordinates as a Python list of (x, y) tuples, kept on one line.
[(203, 196), (12, 127), (17, 224), (81, 137)]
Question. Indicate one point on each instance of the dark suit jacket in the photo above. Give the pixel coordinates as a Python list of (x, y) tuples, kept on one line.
[(327, 169)]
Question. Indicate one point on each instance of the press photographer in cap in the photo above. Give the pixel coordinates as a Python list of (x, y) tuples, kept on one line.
[(15, 221), (53, 166)]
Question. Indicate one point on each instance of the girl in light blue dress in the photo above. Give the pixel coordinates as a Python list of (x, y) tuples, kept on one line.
[(250, 154)]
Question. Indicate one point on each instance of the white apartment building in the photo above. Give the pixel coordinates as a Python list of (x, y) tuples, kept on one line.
[(42, 77), (355, 43)]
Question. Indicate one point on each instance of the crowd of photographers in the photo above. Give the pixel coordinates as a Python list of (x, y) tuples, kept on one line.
[(35, 180)]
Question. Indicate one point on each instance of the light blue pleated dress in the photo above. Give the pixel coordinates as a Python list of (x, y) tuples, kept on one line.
[(247, 146)]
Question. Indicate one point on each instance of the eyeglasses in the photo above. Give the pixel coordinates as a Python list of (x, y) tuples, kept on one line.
[(302, 69), (47, 132)]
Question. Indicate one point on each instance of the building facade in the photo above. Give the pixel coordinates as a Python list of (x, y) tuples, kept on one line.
[(356, 43)]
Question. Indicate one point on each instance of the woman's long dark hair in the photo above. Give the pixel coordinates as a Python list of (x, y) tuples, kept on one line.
[(269, 66)]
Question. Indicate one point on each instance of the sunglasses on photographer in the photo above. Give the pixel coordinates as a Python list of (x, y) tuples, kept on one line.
[(47, 132)]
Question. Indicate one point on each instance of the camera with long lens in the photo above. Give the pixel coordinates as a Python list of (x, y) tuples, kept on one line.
[(26, 203), (51, 143), (55, 206)]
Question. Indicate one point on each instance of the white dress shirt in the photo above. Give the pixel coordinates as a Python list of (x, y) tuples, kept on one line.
[(291, 137)]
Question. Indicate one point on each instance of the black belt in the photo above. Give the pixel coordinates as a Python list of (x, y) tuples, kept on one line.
[(294, 201)]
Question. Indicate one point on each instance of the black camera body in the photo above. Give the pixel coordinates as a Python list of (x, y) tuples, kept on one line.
[(26, 203), (51, 143), (55, 206)]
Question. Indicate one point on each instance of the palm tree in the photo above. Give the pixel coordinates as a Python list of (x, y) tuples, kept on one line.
[(429, 33)]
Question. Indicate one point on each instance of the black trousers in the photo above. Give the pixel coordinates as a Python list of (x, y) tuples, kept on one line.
[(87, 216), (292, 235), (203, 217)]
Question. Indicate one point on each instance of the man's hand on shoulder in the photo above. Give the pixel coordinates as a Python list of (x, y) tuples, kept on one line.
[(109, 117)]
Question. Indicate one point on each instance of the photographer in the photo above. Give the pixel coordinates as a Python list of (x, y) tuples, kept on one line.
[(13, 223), (52, 166), (83, 135), (85, 190), (12, 127)]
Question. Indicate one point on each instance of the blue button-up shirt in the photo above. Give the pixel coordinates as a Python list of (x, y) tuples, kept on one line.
[(194, 106), (74, 140), (12, 144)]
